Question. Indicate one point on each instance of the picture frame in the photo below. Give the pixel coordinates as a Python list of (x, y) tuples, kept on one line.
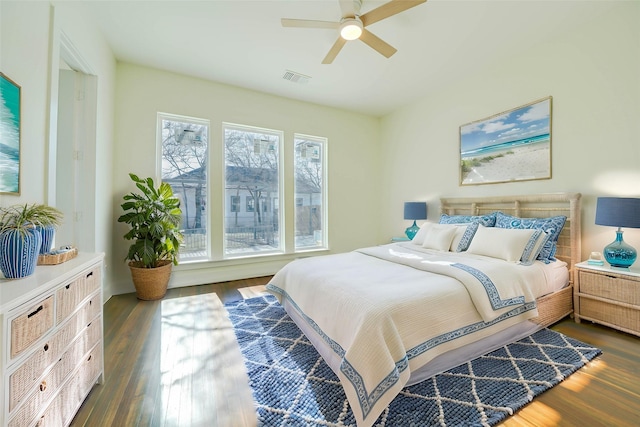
[(10, 133), (511, 146)]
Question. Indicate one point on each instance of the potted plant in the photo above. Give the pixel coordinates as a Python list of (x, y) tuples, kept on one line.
[(154, 217), (21, 235)]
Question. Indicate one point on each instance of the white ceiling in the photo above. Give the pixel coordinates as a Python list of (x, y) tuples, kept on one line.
[(242, 43)]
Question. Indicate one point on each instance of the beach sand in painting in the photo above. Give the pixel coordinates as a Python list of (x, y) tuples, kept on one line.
[(531, 161)]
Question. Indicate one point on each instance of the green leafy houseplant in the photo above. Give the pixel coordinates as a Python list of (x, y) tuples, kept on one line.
[(154, 216), (24, 218)]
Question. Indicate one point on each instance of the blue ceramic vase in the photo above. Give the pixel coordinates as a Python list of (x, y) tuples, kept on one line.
[(48, 233), (19, 252)]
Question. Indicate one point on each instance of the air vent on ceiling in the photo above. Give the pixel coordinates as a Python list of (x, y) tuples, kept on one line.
[(294, 77)]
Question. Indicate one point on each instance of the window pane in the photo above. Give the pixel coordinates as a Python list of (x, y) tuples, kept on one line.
[(184, 167), (309, 192), (251, 173)]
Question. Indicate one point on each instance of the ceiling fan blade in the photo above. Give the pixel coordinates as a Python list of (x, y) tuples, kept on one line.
[(350, 8), (335, 49), (308, 23), (377, 43), (388, 9)]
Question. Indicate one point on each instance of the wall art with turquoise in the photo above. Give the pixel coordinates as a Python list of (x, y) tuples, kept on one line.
[(9, 136)]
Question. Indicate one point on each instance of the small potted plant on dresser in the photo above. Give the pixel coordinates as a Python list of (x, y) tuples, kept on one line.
[(154, 218), (23, 231)]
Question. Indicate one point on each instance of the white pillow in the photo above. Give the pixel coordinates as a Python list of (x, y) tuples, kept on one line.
[(439, 236), (503, 243), (418, 239)]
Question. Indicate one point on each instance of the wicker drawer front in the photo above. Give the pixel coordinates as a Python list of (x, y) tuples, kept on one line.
[(614, 314), (73, 392), (25, 379), (73, 293), (612, 287), (31, 325), (63, 407)]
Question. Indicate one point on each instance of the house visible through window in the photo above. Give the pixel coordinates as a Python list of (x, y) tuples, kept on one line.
[(184, 143), (252, 170), (253, 195)]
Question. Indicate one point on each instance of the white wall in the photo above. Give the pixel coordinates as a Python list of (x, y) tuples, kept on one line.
[(592, 70), (353, 155), (24, 27), (30, 34)]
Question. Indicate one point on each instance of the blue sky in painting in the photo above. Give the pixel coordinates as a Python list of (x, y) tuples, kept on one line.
[(519, 124)]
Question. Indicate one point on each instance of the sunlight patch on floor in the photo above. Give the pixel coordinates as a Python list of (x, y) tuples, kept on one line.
[(581, 379)]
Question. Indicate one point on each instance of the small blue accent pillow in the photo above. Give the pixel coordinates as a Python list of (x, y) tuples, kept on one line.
[(552, 226), (486, 220), (465, 241)]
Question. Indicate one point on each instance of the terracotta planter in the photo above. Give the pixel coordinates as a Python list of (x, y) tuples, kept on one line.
[(151, 283)]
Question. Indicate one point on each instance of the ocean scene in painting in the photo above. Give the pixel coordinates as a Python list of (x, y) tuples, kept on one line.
[(9, 136), (512, 146)]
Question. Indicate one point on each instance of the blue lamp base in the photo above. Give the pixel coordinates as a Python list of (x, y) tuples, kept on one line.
[(620, 254), (411, 231)]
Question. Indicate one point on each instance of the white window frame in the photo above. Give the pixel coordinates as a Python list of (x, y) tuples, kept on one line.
[(160, 116), (281, 166), (324, 142)]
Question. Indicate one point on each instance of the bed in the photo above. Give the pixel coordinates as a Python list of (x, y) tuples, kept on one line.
[(396, 314)]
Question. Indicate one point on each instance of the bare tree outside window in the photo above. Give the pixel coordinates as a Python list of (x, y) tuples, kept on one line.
[(184, 143), (252, 170)]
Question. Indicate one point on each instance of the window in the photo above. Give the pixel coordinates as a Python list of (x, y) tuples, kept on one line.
[(252, 170), (235, 203), (184, 142), (251, 204), (310, 192)]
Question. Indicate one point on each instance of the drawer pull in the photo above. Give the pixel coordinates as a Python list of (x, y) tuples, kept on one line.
[(68, 286), (89, 358), (611, 277), (37, 310), (46, 347), (90, 274), (43, 386)]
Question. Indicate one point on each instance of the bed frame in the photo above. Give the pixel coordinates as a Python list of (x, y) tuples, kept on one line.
[(557, 305)]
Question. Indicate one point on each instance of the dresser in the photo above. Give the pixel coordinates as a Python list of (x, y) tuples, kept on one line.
[(51, 342), (608, 296)]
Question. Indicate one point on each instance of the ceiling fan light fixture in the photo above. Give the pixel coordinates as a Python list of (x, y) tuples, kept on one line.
[(351, 28)]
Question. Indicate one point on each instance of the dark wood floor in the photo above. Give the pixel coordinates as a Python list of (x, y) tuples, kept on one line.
[(175, 362)]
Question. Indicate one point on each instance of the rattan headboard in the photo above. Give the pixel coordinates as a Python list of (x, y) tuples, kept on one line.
[(530, 206)]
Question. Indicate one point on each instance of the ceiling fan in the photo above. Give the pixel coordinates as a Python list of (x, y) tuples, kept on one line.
[(352, 25)]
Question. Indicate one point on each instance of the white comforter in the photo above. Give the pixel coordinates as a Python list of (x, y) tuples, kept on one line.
[(387, 310)]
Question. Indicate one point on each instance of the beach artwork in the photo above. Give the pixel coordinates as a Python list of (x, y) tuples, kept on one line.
[(9, 136), (511, 146)]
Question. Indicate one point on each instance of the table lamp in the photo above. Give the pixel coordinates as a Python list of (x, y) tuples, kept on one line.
[(619, 212), (414, 211)]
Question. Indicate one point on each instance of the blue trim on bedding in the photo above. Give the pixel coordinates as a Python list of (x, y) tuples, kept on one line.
[(368, 400), (497, 303)]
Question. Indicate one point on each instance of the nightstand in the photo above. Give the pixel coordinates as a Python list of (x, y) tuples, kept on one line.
[(608, 296)]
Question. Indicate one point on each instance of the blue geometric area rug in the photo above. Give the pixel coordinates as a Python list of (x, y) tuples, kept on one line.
[(293, 386)]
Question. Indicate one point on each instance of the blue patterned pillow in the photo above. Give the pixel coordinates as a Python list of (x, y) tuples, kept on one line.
[(552, 226), (486, 220)]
